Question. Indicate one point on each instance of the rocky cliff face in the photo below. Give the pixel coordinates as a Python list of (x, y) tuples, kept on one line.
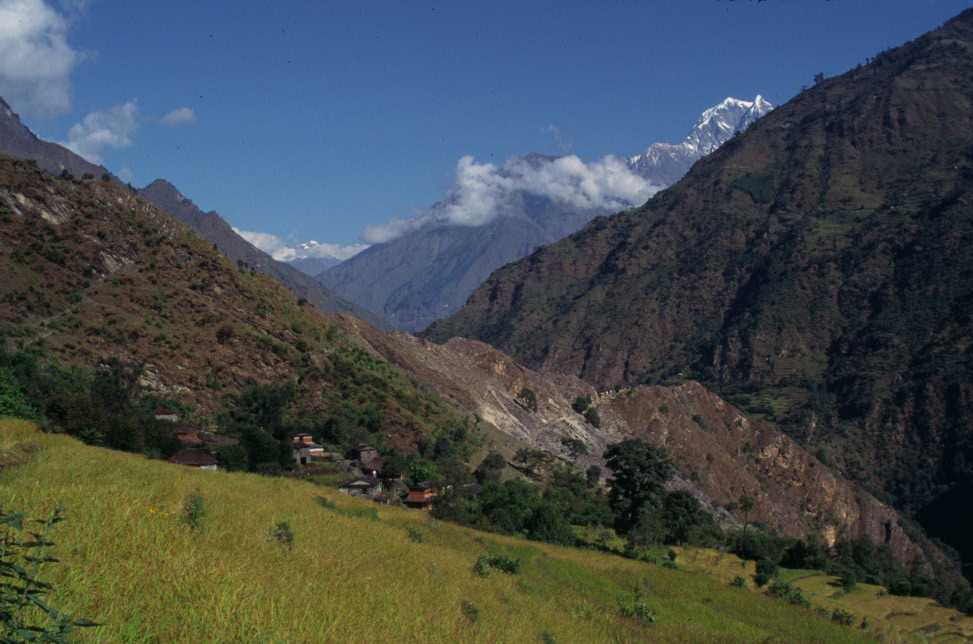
[(815, 270)]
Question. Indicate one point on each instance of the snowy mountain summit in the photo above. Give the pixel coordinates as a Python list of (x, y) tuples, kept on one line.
[(665, 163)]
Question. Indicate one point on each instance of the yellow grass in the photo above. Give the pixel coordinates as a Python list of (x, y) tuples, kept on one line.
[(129, 563)]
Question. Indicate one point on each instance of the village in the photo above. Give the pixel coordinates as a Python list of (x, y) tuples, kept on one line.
[(365, 469)]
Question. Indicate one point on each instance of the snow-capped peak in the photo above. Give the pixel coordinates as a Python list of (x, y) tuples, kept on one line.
[(715, 126)]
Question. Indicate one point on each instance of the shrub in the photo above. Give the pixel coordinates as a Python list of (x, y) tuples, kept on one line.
[(842, 617), (790, 594), (766, 570), (739, 582), (470, 611), (282, 534), (193, 511), (415, 536), (594, 419), (635, 608), (581, 403), (848, 581), (498, 562), (527, 399), (224, 334)]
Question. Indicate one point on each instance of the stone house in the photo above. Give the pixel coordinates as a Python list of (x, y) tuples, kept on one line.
[(193, 457)]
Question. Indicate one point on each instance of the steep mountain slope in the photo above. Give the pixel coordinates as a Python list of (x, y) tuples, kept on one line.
[(429, 273), (213, 228), (818, 268), (17, 141), (720, 453), (93, 272), (426, 275)]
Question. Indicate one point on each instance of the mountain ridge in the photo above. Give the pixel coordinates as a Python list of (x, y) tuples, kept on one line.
[(18, 141), (428, 273), (814, 269)]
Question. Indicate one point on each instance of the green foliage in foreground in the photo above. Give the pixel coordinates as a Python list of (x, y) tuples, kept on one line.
[(130, 563), (25, 612)]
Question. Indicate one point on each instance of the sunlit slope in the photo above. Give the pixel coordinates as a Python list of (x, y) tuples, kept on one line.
[(129, 563)]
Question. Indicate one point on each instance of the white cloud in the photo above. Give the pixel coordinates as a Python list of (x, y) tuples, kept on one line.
[(280, 250), (35, 58), (481, 191), (110, 128), (179, 116)]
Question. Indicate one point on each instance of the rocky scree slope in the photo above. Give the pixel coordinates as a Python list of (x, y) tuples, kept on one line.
[(721, 454), (817, 269)]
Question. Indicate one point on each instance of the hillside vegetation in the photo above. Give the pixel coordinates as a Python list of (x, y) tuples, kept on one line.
[(94, 273), (131, 562), (815, 270)]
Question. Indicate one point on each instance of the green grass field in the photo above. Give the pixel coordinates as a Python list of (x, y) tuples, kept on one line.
[(129, 563)]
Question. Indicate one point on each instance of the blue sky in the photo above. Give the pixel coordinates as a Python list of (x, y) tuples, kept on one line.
[(314, 119)]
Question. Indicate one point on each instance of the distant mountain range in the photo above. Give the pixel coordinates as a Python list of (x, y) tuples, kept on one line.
[(429, 272), (17, 141)]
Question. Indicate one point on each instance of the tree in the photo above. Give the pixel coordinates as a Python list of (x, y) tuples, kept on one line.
[(639, 474), (818, 78), (527, 399), (683, 516), (491, 467), (593, 475), (581, 403), (575, 447), (746, 505), (591, 415)]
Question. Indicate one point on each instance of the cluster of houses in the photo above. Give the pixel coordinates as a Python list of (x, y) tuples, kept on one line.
[(364, 464), (367, 470)]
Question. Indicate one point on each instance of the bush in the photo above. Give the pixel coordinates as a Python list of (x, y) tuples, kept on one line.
[(581, 403), (842, 617), (848, 581), (527, 399), (282, 534), (224, 334), (739, 582), (592, 417), (635, 608), (415, 536), (766, 570), (193, 511), (498, 562), (790, 594), (470, 611)]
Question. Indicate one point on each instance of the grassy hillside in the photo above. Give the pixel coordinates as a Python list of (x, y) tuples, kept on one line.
[(352, 574)]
